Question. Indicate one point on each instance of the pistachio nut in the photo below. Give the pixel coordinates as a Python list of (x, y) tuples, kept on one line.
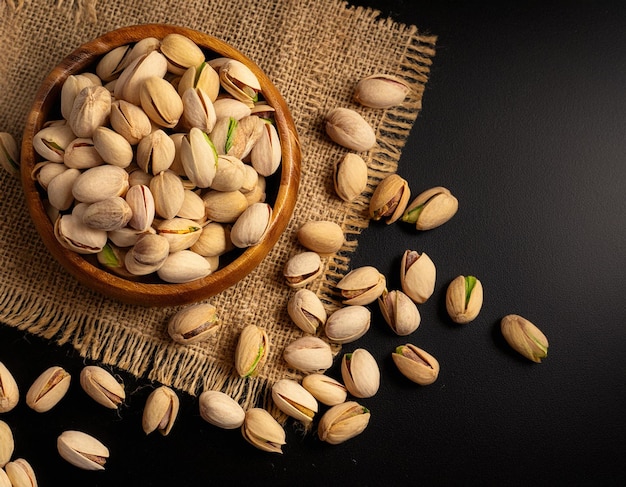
[(181, 53), (109, 214), (181, 233), (45, 171), (362, 286), (350, 177), (389, 199), (252, 351), (130, 121), (160, 411), (101, 386), (308, 354), (306, 310), (61, 188), (239, 80), (229, 174), (416, 364), (343, 422), (266, 153), (7, 444), (431, 208), (161, 102), (360, 373), (71, 87), (111, 258), (168, 192), (417, 275), (99, 183), (82, 450), (214, 240), (82, 154), (21, 473), (257, 193), (9, 391), (73, 234), (127, 236), (147, 255), (202, 77), (381, 91), (184, 266), (294, 400), (198, 157), (50, 142), (262, 431), (9, 154), (147, 65), (348, 324), (112, 147), (231, 107), (48, 389), (198, 110), (91, 109), (155, 152), (324, 237), (302, 268), (143, 47), (325, 389), (524, 337), (141, 203), (221, 410), (349, 129), (237, 137), (464, 298), (194, 323), (251, 226), (224, 206), (399, 311), (112, 63), (192, 207), (5, 481)]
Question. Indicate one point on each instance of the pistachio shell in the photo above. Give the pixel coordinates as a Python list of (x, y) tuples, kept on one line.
[(99, 183), (108, 214), (350, 177), (20, 473), (262, 431), (198, 110), (464, 299), (181, 53), (145, 66), (5, 481), (350, 130), (50, 142), (81, 153), (61, 188), (417, 275), (231, 107), (266, 153), (192, 207), (294, 400), (72, 86), (181, 233), (147, 255), (431, 208), (416, 364), (112, 147), (160, 411), (348, 324), (239, 80), (400, 312), (214, 240), (141, 203), (112, 63), (198, 157), (306, 310), (184, 266), (203, 77), (155, 152), (252, 351), (102, 387), (362, 286), (251, 226), (161, 102), (302, 268), (381, 91), (224, 206), (221, 410), (343, 422), (73, 234), (130, 121), (45, 171), (82, 450), (91, 109), (324, 237), (168, 192), (325, 389), (524, 337), (308, 354), (7, 444), (360, 373), (389, 199), (229, 174), (194, 323), (48, 389)]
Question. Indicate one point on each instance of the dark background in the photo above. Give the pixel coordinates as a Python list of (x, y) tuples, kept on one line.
[(523, 119)]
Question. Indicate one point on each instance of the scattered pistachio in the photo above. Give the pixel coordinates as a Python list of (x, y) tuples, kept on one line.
[(294, 400), (252, 351), (21, 473), (350, 177), (524, 337), (400, 312), (194, 323), (323, 236), (262, 431), (464, 298), (360, 373), (416, 364), (9, 392), (417, 275), (82, 450), (362, 286), (102, 387), (350, 130), (389, 199), (431, 208), (348, 324), (343, 422), (221, 410), (48, 389), (325, 389), (302, 268), (308, 354), (160, 411), (9, 154), (5, 481), (7, 443), (307, 310), (381, 91)]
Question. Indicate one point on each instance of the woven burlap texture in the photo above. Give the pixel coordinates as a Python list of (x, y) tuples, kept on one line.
[(314, 51)]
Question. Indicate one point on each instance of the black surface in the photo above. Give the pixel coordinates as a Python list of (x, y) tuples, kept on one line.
[(523, 119)]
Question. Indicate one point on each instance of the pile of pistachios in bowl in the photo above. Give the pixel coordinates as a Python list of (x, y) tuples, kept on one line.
[(155, 145)]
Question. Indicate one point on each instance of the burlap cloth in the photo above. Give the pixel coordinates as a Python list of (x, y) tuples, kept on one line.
[(314, 51)]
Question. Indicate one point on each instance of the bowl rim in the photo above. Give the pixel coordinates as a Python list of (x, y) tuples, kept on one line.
[(159, 294)]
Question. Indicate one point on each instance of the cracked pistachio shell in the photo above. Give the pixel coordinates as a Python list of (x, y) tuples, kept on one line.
[(155, 152), (111, 257), (308, 354), (9, 154), (141, 203), (161, 102), (50, 142), (323, 236), (400, 312), (524, 337), (21, 473), (238, 80), (9, 391), (389, 199), (214, 240), (102, 387), (266, 153), (72, 86), (432, 208), (252, 351), (130, 121), (184, 266), (302, 268), (73, 234), (91, 109), (168, 192), (198, 109), (350, 177), (348, 324), (224, 206), (231, 107), (7, 444), (198, 157), (108, 214), (464, 298), (262, 431), (237, 137), (99, 183), (112, 147), (221, 410), (417, 276), (229, 174), (343, 422), (181, 233), (147, 255), (325, 389), (202, 77), (82, 450), (82, 154), (160, 411), (48, 389), (112, 63), (60, 188), (46, 171), (360, 373), (381, 91), (294, 400), (194, 323), (362, 286), (306, 310), (416, 364), (146, 65), (349, 129), (252, 225), (181, 53)]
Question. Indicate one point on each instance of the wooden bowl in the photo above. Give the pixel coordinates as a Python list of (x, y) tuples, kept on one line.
[(281, 194)]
